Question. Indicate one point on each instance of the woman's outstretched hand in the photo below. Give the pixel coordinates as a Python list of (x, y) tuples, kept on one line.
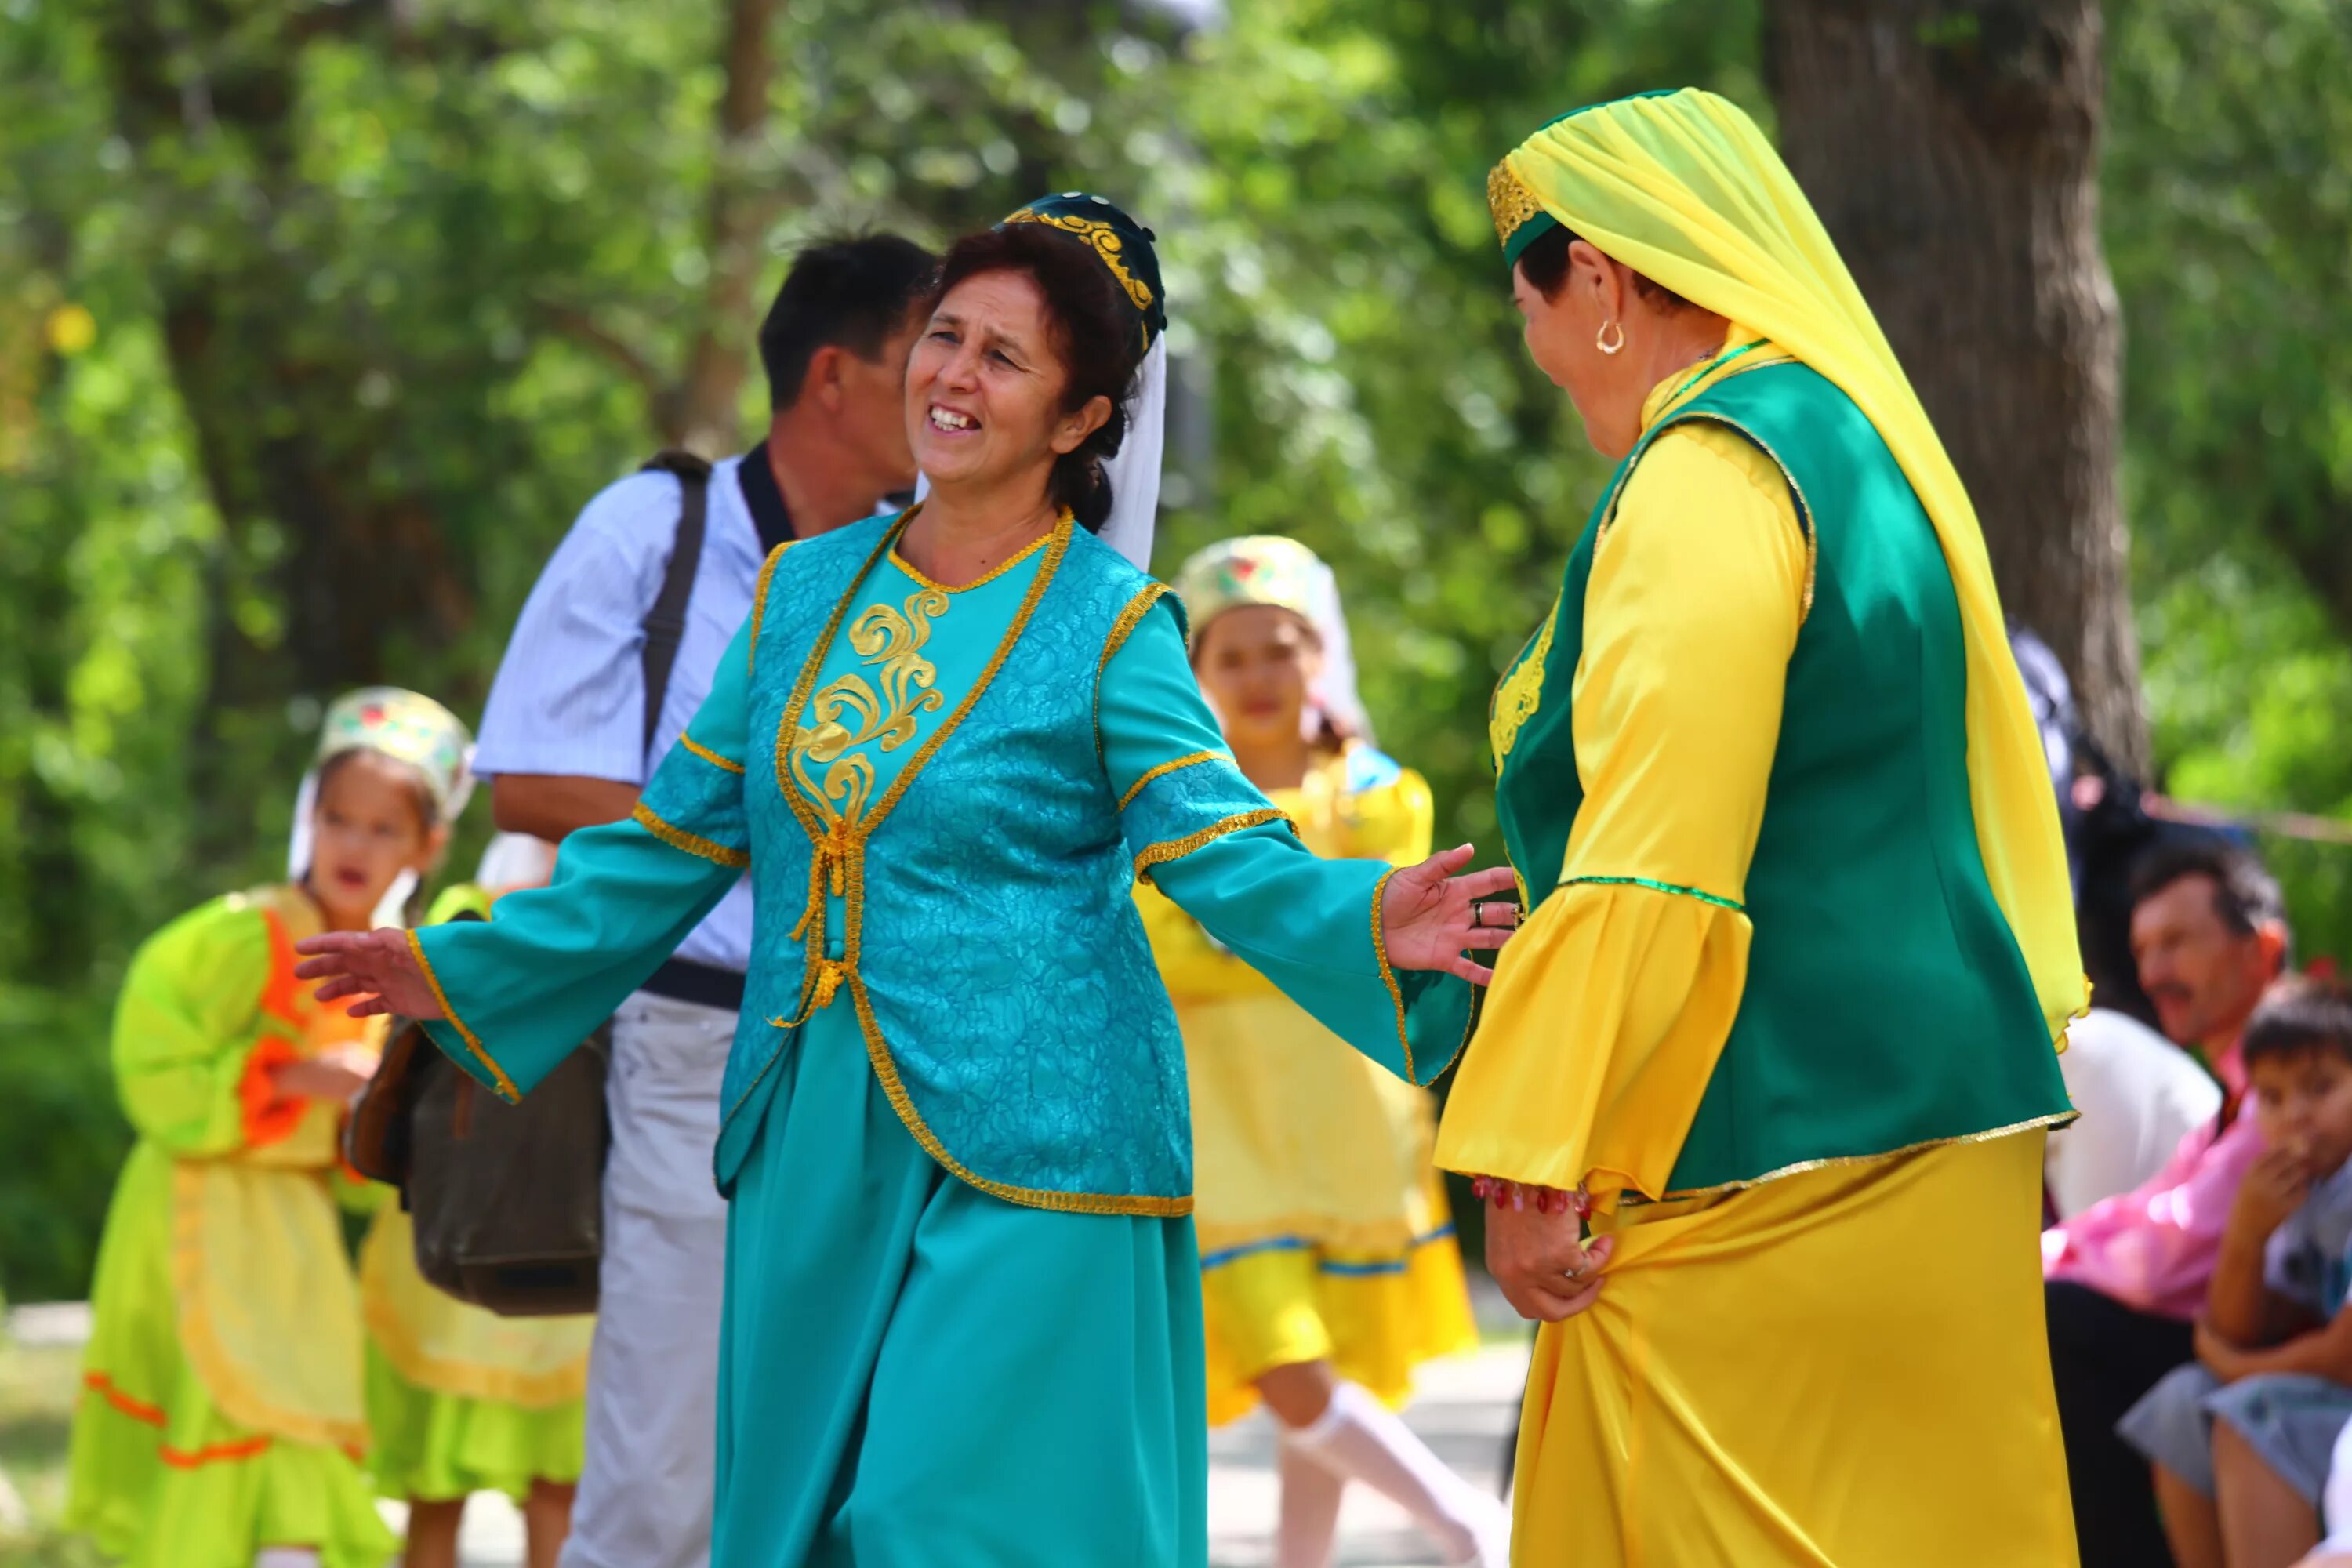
[(1429, 914), (376, 966)]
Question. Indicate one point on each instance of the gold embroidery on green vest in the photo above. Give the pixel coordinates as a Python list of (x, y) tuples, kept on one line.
[(1521, 692)]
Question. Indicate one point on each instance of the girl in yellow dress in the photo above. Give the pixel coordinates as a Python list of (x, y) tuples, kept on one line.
[(222, 1421), (1328, 1264), (459, 1399)]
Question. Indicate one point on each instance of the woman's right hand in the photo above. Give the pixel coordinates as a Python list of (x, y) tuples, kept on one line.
[(378, 967)]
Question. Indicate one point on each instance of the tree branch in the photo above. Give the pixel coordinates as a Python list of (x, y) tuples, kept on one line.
[(585, 330)]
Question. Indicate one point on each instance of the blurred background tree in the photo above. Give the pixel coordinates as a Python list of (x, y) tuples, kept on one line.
[(320, 319)]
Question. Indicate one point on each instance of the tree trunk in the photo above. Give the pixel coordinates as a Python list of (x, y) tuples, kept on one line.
[(701, 411), (1951, 148), (269, 394)]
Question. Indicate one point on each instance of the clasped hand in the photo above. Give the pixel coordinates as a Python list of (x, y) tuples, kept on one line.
[(1538, 1256)]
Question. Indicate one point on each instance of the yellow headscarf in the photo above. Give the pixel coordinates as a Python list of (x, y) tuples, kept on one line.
[(1682, 188)]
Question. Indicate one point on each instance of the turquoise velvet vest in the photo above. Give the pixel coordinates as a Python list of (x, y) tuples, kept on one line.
[(1886, 1002), (993, 954)]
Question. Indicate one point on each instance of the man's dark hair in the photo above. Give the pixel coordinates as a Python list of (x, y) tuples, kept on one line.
[(841, 293), (2245, 896), (2300, 1014)]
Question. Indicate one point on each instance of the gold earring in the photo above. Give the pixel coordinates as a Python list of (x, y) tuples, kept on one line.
[(1601, 340)]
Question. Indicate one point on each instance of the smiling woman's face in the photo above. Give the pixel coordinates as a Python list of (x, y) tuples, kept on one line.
[(984, 386)]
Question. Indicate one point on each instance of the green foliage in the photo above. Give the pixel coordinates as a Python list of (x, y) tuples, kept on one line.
[(2229, 223), (320, 320)]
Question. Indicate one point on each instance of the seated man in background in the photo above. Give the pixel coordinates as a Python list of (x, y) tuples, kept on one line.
[(2126, 1276)]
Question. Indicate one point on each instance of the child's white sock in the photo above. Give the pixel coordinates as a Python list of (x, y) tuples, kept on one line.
[(1361, 1439), (1309, 1523), (286, 1557)]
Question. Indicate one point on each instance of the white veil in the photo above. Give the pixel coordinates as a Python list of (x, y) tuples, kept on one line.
[(1134, 472), (1334, 691)]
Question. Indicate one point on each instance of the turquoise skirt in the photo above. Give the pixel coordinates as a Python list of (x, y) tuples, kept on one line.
[(913, 1373)]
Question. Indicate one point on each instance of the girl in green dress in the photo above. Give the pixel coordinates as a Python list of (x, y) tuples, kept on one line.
[(222, 1423)]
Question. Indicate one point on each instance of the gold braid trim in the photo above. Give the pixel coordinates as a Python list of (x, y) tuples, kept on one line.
[(692, 842), (708, 755), (2031, 1123), (1168, 849), (1015, 558), (1163, 770), (498, 1079), (878, 1052), (1388, 975), (759, 602), (1103, 239), (1509, 202), (1121, 629)]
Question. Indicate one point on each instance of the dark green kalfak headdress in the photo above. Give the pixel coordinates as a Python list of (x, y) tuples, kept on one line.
[(1123, 245)]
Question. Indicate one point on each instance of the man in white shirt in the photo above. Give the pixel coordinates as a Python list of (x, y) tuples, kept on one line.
[(564, 742), (2139, 1095)]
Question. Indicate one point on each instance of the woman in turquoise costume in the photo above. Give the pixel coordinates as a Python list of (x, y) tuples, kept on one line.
[(963, 1321)]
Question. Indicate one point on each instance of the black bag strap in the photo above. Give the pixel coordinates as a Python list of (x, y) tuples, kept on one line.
[(664, 623)]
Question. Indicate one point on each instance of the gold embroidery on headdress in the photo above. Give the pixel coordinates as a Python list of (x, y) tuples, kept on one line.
[(1510, 201), (1106, 244)]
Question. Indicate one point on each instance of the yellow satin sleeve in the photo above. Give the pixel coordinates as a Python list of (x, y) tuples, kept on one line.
[(1610, 1007)]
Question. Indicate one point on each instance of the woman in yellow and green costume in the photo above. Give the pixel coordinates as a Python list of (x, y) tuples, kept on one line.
[(1329, 1268), (459, 1399), (222, 1423), (1799, 942)]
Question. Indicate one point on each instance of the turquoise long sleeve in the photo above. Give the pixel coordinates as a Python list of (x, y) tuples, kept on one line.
[(525, 987), (1309, 925)]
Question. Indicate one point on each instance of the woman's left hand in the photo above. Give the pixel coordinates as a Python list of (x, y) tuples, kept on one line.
[(1429, 915)]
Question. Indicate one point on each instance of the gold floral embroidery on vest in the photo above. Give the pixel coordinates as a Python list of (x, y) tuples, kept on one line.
[(1520, 693), (851, 715)]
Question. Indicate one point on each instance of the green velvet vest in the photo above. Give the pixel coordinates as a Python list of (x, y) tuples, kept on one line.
[(1887, 1005)]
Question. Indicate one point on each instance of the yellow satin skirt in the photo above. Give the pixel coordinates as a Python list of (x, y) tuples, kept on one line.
[(1843, 1368)]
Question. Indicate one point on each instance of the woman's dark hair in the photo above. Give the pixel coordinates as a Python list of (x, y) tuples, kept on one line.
[(1096, 332), (2297, 1014), (1545, 261), (851, 293)]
